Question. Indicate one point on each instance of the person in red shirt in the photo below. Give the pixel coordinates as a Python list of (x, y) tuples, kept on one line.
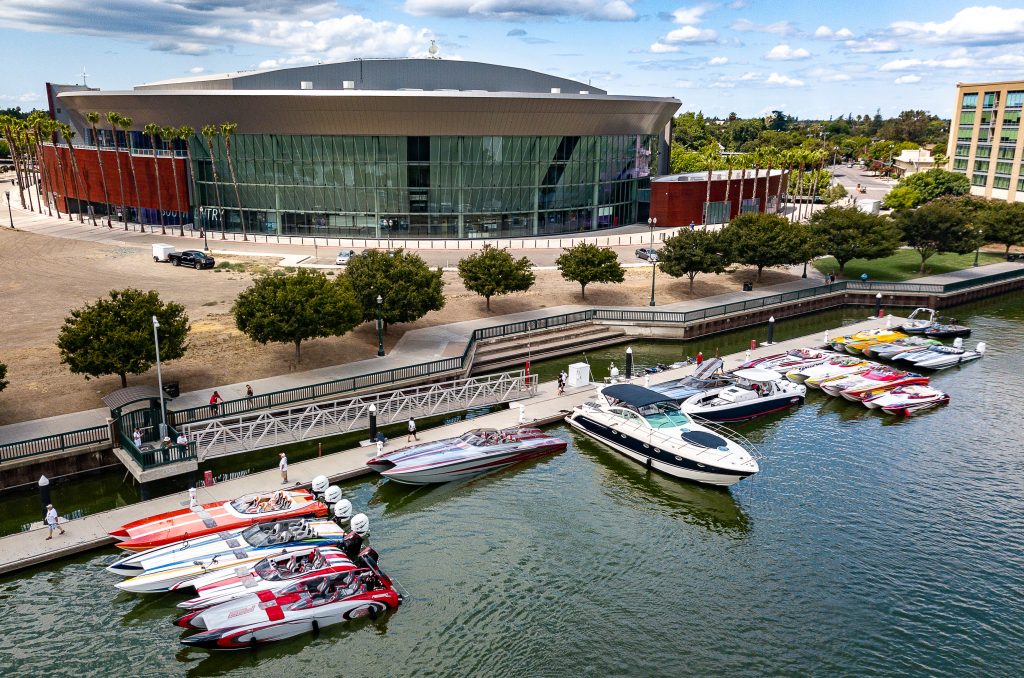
[(214, 400), (700, 357)]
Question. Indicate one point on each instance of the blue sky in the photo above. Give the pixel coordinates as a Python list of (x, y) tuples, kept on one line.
[(810, 59)]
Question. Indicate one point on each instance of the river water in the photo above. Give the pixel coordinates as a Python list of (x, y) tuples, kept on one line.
[(867, 545)]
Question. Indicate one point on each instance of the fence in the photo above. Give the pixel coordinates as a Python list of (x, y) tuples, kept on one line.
[(59, 442)]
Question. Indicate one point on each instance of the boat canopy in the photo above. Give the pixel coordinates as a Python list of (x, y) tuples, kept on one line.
[(707, 368), (637, 396), (757, 374)]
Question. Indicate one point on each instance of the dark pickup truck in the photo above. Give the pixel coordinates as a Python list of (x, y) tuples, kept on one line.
[(193, 258)]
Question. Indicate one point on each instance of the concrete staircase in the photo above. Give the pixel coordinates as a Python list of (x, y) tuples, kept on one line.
[(513, 351)]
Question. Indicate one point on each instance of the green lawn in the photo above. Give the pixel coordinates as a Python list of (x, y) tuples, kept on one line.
[(903, 265)]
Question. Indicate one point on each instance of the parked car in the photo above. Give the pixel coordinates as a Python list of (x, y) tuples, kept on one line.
[(343, 257), (648, 253), (193, 258)]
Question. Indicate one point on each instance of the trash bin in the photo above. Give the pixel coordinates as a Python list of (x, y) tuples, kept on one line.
[(748, 286), (172, 389)]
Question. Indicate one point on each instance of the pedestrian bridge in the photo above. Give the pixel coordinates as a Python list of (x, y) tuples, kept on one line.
[(260, 430)]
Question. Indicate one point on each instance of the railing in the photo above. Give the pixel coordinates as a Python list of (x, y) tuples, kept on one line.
[(151, 457), (59, 442)]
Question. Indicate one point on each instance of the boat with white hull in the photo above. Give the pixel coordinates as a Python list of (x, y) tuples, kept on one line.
[(757, 391), (649, 428), (907, 400), (708, 375), (839, 366)]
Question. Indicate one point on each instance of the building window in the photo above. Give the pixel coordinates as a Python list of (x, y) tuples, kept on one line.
[(1004, 168), (981, 165), (1001, 182), (988, 118), (970, 102), (967, 118), (985, 135), (1014, 99), (1008, 136), (983, 151), (964, 133), (960, 164), (979, 179), (991, 100), (1007, 152), (963, 150), (1011, 119)]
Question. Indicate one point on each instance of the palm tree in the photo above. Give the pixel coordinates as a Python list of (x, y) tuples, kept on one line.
[(94, 118), (35, 126), (114, 118), (210, 131), (758, 158), (819, 158), (52, 126), (730, 162), (743, 161), (168, 135), (76, 174), (799, 159), (151, 130), (10, 126), (25, 144), (126, 124), (186, 133), (709, 156), (227, 129), (785, 161)]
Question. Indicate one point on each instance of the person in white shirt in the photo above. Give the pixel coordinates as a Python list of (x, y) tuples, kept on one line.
[(137, 438), (52, 520), (412, 431), (283, 465)]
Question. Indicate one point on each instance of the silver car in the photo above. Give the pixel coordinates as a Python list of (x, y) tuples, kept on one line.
[(343, 257)]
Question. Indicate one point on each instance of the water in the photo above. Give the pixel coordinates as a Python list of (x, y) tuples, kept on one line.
[(867, 545)]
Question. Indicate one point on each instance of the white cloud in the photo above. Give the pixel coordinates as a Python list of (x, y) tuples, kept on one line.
[(662, 48), (718, 61), (737, 4), (595, 10), (21, 98), (688, 31), (197, 69), (684, 84), (825, 33), (786, 53), (872, 46), (907, 64), (784, 80), (750, 75), (907, 79), (691, 34), (723, 84), (777, 28), (689, 16), (1008, 60), (973, 25), (829, 75)]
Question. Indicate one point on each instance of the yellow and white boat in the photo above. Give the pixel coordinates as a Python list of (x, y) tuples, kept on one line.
[(855, 343)]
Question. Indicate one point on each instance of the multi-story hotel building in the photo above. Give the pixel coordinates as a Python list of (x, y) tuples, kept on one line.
[(985, 140)]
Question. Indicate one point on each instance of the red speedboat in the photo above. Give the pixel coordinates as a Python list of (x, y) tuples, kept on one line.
[(173, 526)]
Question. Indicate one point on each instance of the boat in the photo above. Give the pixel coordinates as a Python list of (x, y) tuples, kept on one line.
[(305, 606), (790, 360), (950, 357), (918, 321), (946, 328), (262, 538), (834, 367), (708, 375), (648, 427), (855, 386), (198, 521), (907, 400), (474, 452), (756, 392), (861, 345), (270, 574), (889, 350), (877, 336)]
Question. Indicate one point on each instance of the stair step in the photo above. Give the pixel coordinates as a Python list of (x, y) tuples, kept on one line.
[(552, 352), (535, 343)]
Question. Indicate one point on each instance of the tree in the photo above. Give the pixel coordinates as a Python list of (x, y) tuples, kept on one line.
[(227, 129), (3, 376), (923, 187), (586, 263), (763, 240), (902, 198), (689, 253), (937, 227), (209, 132), (115, 335), (76, 173), (126, 125), (114, 118), (292, 308), (168, 135), (493, 272), (408, 288), (94, 118), (1003, 223), (710, 157), (185, 133), (151, 130), (848, 233)]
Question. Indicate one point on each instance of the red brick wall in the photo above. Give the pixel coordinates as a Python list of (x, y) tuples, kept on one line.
[(92, 186), (677, 203)]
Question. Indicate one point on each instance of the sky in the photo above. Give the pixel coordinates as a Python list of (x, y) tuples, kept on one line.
[(810, 59)]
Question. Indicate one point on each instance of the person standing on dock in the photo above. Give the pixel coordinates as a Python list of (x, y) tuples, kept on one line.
[(561, 382), (248, 391), (52, 520), (283, 465), (700, 357), (412, 431)]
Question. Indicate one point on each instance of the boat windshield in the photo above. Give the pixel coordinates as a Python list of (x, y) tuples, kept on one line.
[(255, 535), (481, 437), (664, 415)]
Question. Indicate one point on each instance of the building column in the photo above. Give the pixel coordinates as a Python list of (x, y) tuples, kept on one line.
[(665, 149)]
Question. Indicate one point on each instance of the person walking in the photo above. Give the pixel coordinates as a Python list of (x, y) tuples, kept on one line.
[(215, 400), (52, 520), (283, 465), (561, 384), (248, 391), (412, 431)]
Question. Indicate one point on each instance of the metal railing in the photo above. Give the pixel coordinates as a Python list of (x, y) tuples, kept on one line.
[(59, 442), (231, 435), (152, 456)]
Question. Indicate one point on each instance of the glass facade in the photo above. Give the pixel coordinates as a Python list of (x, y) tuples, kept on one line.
[(438, 186)]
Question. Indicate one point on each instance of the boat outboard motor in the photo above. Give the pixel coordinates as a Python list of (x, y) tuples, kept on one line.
[(332, 495), (319, 485), (353, 541), (342, 512), (958, 342), (361, 524), (980, 348)]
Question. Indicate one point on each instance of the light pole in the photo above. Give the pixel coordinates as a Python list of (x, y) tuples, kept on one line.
[(159, 380), (977, 250), (652, 222), (380, 328), (390, 223), (9, 214)]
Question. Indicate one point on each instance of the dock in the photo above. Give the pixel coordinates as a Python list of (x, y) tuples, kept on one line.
[(30, 548)]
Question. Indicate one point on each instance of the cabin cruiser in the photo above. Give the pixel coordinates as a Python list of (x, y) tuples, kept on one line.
[(263, 538), (473, 453), (708, 375), (855, 343), (201, 520), (834, 367), (891, 349), (907, 400), (918, 321), (647, 427), (755, 392), (307, 605), (856, 386), (790, 360)]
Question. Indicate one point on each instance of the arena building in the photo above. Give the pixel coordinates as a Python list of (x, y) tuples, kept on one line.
[(369, 148)]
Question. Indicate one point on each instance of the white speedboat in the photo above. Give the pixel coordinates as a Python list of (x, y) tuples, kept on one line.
[(646, 426), (708, 375), (263, 538), (839, 366), (756, 391), (890, 350), (920, 320), (907, 400), (794, 359), (942, 357)]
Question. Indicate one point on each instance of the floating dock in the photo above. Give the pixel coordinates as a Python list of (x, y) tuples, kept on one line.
[(26, 549)]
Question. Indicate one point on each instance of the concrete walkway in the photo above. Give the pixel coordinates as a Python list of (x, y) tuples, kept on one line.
[(29, 548)]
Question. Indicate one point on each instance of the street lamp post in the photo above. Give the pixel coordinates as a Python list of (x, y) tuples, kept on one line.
[(977, 250), (652, 222), (159, 379), (380, 328), (390, 223), (9, 214)]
